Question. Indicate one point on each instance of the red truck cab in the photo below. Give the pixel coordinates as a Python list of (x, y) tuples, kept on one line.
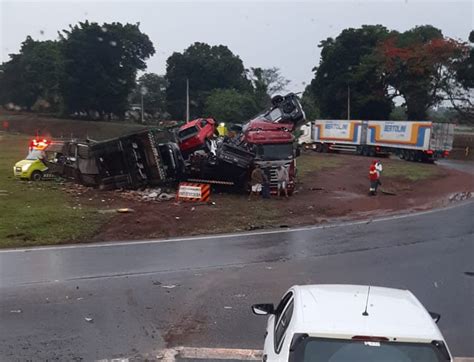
[(273, 144), (194, 134)]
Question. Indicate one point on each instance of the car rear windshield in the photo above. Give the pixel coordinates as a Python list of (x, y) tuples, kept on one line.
[(185, 133), (341, 350)]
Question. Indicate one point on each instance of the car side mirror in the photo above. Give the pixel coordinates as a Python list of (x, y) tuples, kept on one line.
[(436, 316), (263, 309)]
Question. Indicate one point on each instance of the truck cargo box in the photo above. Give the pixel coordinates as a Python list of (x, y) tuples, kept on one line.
[(337, 131), (399, 134)]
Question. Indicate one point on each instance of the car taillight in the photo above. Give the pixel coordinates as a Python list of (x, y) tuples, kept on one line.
[(446, 153), (370, 338), (429, 152)]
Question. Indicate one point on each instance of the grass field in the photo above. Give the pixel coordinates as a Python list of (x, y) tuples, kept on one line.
[(37, 213), (412, 171), (311, 161)]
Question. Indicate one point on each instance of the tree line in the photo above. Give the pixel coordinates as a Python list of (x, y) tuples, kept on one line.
[(91, 71)]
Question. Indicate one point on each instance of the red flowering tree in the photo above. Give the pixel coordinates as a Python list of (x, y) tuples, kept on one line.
[(418, 65)]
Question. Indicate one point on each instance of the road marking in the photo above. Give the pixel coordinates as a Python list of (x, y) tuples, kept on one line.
[(236, 235), (219, 353)]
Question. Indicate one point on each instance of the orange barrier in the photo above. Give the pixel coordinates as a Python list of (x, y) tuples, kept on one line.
[(193, 192)]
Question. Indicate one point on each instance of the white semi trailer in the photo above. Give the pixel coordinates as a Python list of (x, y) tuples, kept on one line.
[(413, 141)]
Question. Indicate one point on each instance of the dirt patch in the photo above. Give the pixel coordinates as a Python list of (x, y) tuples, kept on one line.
[(337, 190)]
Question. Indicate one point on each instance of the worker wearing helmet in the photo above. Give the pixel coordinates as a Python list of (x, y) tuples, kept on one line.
[(374, 178)]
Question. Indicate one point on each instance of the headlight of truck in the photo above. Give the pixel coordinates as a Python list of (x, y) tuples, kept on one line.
[(25, 168)]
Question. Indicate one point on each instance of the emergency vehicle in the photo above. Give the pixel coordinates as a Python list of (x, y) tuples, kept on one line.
[(32, 167)]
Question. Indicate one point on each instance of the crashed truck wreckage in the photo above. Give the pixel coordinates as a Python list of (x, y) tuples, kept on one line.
[(194, 152)]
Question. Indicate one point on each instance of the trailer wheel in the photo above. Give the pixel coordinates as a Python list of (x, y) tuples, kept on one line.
[(371, 152), (411, 156), (325, 148)]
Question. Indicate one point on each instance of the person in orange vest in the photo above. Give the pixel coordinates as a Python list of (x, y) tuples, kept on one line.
[(374, 178)]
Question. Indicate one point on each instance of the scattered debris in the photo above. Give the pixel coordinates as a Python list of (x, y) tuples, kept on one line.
[(171, 286), (80, 298), (166, 197), (385, 192), (16, 311), (177, 218), (156, 282), (89, 320), (460, 196), (125, 210), (469, 274), (316, 189), (227, 307)]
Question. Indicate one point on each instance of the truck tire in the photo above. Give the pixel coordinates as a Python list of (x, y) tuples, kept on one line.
[(411, 156), (36, 175)]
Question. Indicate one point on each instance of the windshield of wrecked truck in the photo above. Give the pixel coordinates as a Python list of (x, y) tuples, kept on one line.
[(188, 132), (275, 152)]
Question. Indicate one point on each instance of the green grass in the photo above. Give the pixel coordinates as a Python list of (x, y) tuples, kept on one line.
[(311, 162), (37, 213), (410, 170)]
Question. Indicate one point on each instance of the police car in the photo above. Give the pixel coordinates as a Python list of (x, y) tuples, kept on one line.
[(351, 323)]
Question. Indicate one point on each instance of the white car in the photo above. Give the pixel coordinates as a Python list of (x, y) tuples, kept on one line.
[(351, 323)]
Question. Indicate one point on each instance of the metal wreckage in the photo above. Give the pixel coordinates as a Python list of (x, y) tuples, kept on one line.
[(194, 152)]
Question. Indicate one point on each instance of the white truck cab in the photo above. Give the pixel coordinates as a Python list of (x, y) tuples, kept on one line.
[(351, 323), (305, 139)]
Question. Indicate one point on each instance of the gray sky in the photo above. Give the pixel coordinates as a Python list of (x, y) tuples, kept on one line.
[(284, 34)]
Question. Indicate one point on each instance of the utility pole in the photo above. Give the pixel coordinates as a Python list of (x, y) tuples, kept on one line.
[(143, 92), (348, 103), (187, 100)]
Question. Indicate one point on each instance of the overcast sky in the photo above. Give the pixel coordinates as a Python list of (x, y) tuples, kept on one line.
[(265, 34)]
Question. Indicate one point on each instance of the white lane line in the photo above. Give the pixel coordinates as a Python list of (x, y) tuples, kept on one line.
[(220, 353), (236, 235)]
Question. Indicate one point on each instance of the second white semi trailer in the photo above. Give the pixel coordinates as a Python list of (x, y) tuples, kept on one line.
[(413, 141)]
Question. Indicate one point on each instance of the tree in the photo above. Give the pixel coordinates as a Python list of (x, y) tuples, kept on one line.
[(154, 100), (309, 104), (230, 106), (207, 68), (101, 63), (32, 75), (460, 91), (346, 66), (267, 83), (416, 65)]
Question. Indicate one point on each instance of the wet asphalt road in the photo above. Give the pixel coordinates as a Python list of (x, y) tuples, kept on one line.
[(144, 297)]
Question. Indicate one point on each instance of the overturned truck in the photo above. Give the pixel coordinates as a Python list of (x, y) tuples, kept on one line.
[(131, 161), (153, 157)]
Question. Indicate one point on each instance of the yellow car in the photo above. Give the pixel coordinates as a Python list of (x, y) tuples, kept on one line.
[(31, 168)]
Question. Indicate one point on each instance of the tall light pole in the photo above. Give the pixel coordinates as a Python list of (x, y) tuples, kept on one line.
[(187, 100), (348, 103)]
